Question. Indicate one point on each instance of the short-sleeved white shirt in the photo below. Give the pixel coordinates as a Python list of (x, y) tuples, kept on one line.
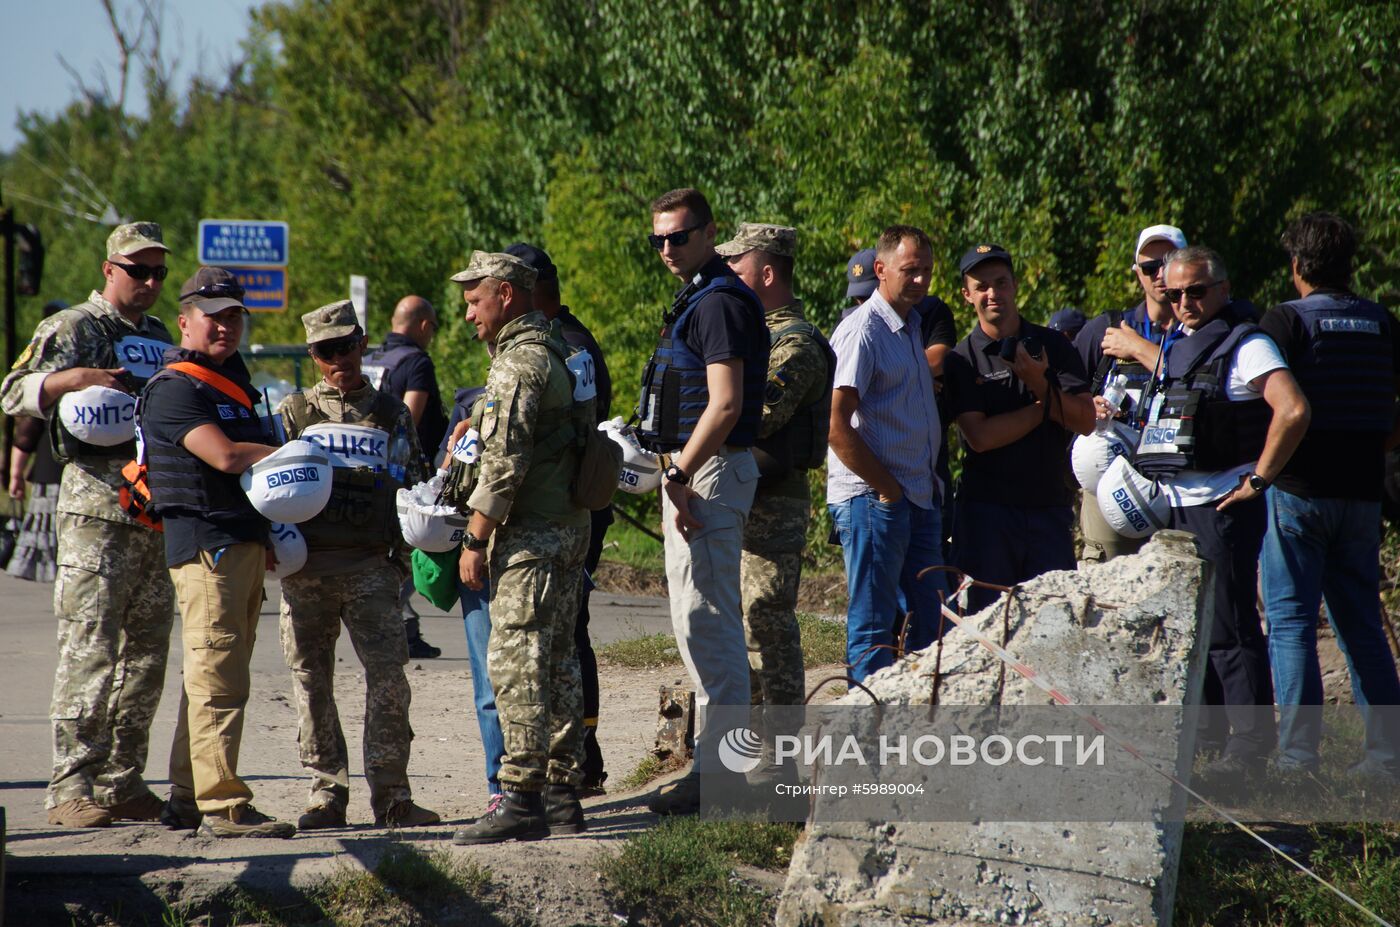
[(1255, 356)]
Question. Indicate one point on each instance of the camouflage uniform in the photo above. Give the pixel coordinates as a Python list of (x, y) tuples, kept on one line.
[(112, 597), (777, 528), (356, 583), (537, 552), (776, 532)]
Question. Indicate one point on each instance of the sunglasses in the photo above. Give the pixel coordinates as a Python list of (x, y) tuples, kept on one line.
[(1150, 268), (141, 271), (212, 291), (335, 347), (1196, 291), (677, 239)]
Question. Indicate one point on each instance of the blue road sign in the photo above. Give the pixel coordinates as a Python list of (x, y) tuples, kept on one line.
[(243, 242), (264, 288)]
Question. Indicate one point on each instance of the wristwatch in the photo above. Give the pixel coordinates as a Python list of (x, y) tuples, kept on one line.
[(472, 542), (675, 474), (1258, 483)]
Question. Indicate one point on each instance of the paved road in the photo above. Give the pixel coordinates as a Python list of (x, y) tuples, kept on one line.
[(28, 655)]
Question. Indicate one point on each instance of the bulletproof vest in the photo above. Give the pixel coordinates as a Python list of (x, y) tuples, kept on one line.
[(140, 355), (674, 389), (562, 428), (361, 511), (182, 483), (1346, 369), (801, 443), (378, 364), (1191, 423)]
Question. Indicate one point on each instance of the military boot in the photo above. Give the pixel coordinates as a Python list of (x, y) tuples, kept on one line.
[(517, 816), (562, 811), (80, 812), (145, 807)]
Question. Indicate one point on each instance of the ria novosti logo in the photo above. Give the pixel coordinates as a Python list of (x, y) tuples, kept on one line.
[(739, 750)]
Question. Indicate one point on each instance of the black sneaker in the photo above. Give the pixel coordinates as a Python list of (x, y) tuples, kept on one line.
[(517, 816), (419, 649), (180, 813), (562, 812)]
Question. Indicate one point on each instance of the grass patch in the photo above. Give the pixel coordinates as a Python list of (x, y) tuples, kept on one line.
[(1229, 880), (682, 872), (823, 643), (648, 652), (650, 769), (408, 886)]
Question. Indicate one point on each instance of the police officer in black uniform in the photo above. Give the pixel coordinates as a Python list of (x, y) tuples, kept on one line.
[(403, 368), (1017, 392)]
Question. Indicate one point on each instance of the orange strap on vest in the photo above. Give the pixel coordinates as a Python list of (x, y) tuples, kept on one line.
[(217, 380)]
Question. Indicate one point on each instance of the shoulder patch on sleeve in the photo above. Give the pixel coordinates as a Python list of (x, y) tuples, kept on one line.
[(24, 355)]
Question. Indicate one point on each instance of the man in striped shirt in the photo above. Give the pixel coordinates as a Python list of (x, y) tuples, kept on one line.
[(885, 435)]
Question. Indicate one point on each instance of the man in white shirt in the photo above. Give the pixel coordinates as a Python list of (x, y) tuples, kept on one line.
[(1223, 417)]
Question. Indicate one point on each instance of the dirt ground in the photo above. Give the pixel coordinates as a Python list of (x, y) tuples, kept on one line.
[(127, 873)]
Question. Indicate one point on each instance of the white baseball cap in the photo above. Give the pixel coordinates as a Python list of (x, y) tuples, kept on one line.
[(1159, 233)]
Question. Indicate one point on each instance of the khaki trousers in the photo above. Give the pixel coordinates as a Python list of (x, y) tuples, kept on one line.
[(1101, 542), (219, 594)]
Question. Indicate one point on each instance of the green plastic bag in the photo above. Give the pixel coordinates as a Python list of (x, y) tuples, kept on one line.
[(435, 577)]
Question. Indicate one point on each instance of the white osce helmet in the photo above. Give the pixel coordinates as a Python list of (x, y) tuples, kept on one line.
[(641, 469), (291, 485), (1092, 453), (434, 529), (99, 415), (289, 546), (1132, 504)]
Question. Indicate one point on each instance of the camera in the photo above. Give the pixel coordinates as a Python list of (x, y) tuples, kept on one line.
[(1005, 348)]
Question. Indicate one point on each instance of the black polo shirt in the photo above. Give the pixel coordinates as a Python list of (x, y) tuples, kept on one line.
[(417, 372), (1034, 471)]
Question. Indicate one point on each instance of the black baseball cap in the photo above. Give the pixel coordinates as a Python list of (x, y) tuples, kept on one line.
[(979, 254), (537, 258)]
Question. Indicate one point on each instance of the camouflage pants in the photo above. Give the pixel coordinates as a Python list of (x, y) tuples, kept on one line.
[(770, 571), (115, 609), (313, 610), (536, 585)]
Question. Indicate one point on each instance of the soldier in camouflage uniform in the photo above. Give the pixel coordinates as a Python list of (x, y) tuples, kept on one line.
[(113, 598), (355, 566), (792, 439), (537, 538)]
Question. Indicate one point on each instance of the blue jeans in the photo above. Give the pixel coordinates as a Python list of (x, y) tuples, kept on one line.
[(1327, 549), (885, 547), (477, 620)]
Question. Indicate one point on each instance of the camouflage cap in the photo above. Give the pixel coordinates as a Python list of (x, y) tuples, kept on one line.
[(133, 237), (759, 236), (501, 266), (332, 321)]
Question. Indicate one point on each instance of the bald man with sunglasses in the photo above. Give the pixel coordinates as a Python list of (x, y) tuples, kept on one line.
[(113, 598)]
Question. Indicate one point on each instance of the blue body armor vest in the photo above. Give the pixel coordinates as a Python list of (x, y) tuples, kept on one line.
[(674, 390), (1191, 422), (1347, 371)]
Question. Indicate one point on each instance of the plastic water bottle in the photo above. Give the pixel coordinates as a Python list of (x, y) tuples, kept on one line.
[(399, 454), (1113, 395)]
